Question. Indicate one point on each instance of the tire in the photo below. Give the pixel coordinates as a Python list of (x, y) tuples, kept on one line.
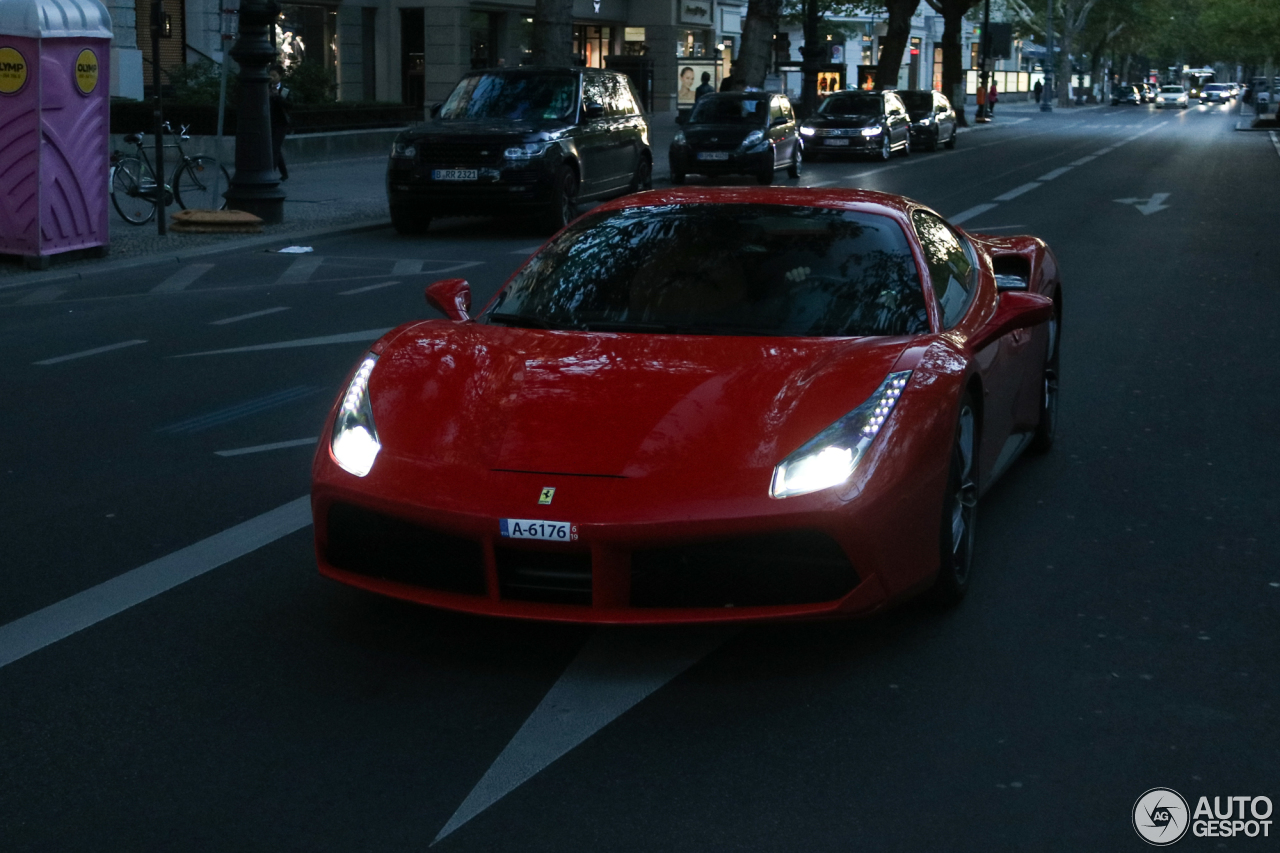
[(951, 143), (643, 178), (797, 162), (1047, 428), (959, 513), (408, 223), (886, 149), (200, 183), (936, 142), (906, 148), (564, 199), (126, 188)]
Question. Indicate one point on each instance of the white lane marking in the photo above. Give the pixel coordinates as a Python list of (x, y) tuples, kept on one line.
[(1017, 191), (614, 671), (58, 621), (263, 448), (94, 351), (301, 269), (1103, 151), (367, 288), (1056, 173), (182, 279), (1083, 160), (236, 319), (1148, 206), (41, 294), (348, 338), (528, 251), (1275, 140), (459, 265), (976, 210), (407, 267)]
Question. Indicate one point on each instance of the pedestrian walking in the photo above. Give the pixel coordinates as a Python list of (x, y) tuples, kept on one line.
[(705, 89), (278, 95), (993, 95), (1039, 90)]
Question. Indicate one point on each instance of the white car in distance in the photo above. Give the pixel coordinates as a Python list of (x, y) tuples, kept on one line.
[(1171, 96)]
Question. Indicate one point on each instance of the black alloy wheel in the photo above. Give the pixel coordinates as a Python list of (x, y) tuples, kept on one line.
[(906, 147), (1047, 428), (886, 148), (564, 199), (951, 143), (643, 178), (959, 513)]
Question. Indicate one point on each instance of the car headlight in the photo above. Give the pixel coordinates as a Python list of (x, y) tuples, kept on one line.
[(872, 131), (830, 457), (805, 130), (1160, 100), (403, 150), (355, 439), (754, 138), (678, 139), (527, 151)]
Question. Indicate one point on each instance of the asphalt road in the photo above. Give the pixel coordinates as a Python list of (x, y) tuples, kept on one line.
[(1121, 633)]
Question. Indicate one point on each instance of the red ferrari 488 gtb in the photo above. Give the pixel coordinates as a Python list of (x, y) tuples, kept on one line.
[(703, 404)]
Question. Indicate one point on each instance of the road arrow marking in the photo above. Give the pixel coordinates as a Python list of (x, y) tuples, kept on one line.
[(1148, 206)]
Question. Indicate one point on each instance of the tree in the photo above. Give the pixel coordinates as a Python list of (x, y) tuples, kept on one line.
[(755, 56), (953, 12), (894, 43), (553, 32)]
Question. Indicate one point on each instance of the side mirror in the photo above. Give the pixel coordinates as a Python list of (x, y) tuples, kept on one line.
[(1015, 310), (592, 111), (451, 297), (435, 110)]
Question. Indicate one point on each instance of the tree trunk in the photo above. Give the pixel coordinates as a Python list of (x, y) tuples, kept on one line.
[(553, 33), (813, 51), (953, 12), (755, 56), (894, 43)]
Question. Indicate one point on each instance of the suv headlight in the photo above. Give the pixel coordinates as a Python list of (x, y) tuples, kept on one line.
[(872, 131), (527, 151), (355, 439), (830, 457), (404, 149), (805, 130)]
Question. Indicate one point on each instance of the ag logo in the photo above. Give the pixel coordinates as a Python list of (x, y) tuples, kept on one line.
[(1160, 816), (13, 71), (87, 71), (546, 496)]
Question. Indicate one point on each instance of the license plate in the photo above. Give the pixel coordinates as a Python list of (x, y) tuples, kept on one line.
[(713, 155), (836, 142), (454, 175), (526, 528)]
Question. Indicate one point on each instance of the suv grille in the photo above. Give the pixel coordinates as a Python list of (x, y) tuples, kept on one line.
[(463, 152)]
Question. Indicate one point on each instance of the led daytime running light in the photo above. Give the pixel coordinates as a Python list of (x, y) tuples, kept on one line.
[(355, 443)]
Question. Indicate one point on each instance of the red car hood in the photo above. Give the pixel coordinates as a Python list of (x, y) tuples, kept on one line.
[(622, 405)]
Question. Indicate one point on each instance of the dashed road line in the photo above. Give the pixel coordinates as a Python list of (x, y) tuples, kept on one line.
[(347, 338), (182, 279), (1017, 191), (301, 270), (1056, 173), (263, 448), (236, 319), (45, 627), (976, 210), (200, 423), (1083, 160), (407, 267), (367, 288), (89, 352)]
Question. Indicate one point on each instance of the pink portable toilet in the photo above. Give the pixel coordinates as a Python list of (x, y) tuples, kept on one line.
[(54, 118)]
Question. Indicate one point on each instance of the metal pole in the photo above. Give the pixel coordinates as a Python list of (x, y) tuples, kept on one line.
[(227, 35), (1046, 99), (985, 53), (255, 186), (157, 23)]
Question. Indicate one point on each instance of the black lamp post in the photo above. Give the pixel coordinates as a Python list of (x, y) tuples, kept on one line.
[(255, 187)]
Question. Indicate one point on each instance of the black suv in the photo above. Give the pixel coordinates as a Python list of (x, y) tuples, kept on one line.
[(855, 121), (521, 140)]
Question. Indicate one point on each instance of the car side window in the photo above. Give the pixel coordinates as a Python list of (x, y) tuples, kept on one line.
[(775, 112), (951, 269), (625, 103), (594, 92), (786, 111)]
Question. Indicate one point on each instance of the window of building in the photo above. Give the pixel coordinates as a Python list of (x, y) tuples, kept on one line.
[(592, 44)]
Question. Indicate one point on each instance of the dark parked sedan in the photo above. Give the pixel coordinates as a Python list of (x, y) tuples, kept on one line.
[(1126, 93), (933, 122), (855, 121), (738, 133)]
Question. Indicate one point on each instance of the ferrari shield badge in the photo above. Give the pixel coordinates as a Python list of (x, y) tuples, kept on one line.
[(547, 495)]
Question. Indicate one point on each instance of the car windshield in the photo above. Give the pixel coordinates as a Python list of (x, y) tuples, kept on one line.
[(851, 104), (917, 102), (514, 97), (721, 269), (747, 111), (1215, 87), (1171, 90)]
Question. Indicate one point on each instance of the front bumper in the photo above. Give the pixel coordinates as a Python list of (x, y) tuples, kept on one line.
[(496, 190), (686, 160), (846, 144)]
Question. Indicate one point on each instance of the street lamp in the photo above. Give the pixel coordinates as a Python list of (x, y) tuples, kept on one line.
[(255, 187)]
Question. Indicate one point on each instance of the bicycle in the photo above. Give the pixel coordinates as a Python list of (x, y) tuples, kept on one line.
[(194, 184)]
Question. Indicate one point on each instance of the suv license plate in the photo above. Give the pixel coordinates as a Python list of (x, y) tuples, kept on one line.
[(454, 175), (550, 531), (835, 142), (713, 155)]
